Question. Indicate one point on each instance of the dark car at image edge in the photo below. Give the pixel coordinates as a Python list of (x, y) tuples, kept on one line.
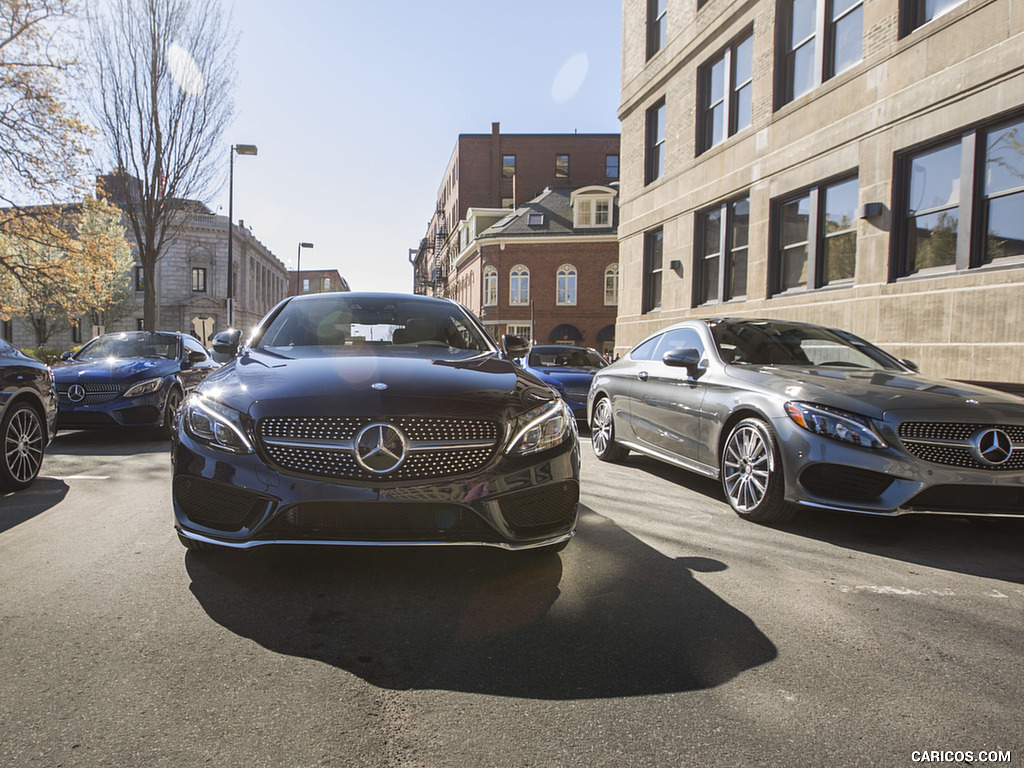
[(369, 420), (28, 416), (792, 415)]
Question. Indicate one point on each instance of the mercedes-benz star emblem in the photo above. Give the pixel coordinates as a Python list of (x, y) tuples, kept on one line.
[(76, 393), (992, 446), (380, 448)]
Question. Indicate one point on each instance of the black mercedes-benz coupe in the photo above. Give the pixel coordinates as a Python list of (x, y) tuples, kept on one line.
[(28, 416), (374, 419)]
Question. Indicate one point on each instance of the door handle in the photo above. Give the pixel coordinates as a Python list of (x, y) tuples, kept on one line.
[(643, 375)]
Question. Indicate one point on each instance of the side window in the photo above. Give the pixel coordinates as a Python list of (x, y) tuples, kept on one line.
[(645, 351), (680, 338)]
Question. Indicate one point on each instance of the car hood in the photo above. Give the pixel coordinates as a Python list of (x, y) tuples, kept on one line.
[(263, 384), (878, 393), (570, 376), (118, 369)]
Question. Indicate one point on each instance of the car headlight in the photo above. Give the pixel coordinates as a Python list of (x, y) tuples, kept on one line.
[(542, 427), (836, 424), (146, 387), (216, 425)]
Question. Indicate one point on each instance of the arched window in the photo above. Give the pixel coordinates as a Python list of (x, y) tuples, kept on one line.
[(566, 285), (519, 285), (490, 286), (611, 285)]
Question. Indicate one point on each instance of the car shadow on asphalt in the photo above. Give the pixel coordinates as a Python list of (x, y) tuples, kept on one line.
[(20, 506), (979, 546), (608, 617), (109, 442)]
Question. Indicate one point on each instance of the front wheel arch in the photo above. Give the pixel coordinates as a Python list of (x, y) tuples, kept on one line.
[(752, 475)]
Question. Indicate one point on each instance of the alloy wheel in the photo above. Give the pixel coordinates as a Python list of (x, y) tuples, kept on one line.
[(23, 446)]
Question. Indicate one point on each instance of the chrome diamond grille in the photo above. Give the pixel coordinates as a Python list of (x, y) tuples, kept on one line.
[(325, 446), (96, 393), (949, 444)]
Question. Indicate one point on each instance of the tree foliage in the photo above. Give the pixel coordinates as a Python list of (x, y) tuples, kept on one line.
[(42, 140), (57, 267), (162, 99)]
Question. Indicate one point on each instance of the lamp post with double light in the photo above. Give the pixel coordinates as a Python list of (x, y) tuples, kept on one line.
[(242, 149), (298, 268)]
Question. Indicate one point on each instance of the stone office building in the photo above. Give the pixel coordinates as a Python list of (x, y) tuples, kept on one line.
[(191, 286), (858, 163)]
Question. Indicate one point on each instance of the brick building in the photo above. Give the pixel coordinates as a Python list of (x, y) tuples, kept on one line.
[(546, 271), (495, 170), (316, 281), (858, 163)]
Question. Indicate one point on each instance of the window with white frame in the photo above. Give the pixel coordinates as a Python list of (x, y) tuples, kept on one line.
[(522, 331), (519, 285), (566, 285), (592, 210), (611, 285), (490, 286)]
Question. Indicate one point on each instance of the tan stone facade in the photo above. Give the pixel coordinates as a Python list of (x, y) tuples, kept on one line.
[(954, 82)]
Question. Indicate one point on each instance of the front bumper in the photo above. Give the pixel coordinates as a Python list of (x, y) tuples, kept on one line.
[(828, 474), (242, 501), (142, 411)]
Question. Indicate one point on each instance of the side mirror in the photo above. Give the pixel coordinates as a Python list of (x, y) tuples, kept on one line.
[(682, 358), (225, 345), (65, 356), (514, 346), (911, 365)]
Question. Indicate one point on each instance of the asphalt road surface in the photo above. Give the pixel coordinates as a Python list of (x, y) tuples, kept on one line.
[(668, 633)]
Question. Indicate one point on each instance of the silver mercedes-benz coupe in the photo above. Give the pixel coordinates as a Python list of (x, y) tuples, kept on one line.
[(796, 415)]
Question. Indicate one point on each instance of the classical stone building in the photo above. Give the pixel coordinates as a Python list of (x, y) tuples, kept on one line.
[(497, 171), (547, 271), (191, 286), (858, 163)]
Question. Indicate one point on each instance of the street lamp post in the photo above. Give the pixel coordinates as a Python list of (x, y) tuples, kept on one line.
[(242, 149), (298, 268)]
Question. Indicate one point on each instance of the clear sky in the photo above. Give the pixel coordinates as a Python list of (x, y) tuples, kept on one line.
[(356, 107)]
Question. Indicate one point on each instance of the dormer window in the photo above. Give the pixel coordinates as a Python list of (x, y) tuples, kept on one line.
[(592, 207)]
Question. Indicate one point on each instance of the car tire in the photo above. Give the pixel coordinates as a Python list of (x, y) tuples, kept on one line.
[(174, 398), (22, 443), (751, 473), (602, 433)]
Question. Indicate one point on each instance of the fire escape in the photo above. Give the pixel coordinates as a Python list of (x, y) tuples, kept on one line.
[(439, 273)]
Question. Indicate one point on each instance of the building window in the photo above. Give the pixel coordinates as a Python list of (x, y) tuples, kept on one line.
[(611, 285), (816, 241), (657, 25), (76, 331), (327, 285), (956, 220), (519, 285), (723, 229), (508, 166), (198, 279), (305, 285), (561, 166), (566, 285), (140, 278), (140, 324), (726, 93), (490, 286), (8, 330), (611, 166), (655, 148), (808, 61), (592, 211), (522, 331), (915, 13), (653, 248)]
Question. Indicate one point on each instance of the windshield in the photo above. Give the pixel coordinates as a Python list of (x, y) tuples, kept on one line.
[(565, 357), (793, 344), (136, 344), (338, 324)]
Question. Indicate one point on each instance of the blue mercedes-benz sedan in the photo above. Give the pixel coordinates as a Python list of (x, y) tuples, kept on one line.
[(131, 379)]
